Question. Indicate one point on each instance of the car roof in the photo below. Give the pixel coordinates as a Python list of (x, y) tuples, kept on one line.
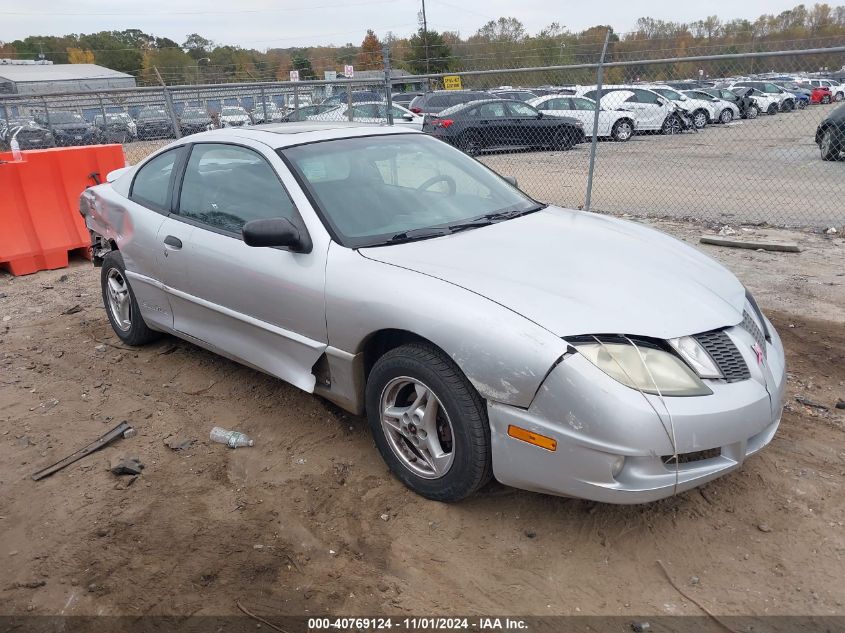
[(278, 135)]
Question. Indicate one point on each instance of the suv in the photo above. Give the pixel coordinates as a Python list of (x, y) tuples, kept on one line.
[(437, 100), (118, 127), (69, 128), (830, 135), (651, 110), (154, 122), (193, 120)]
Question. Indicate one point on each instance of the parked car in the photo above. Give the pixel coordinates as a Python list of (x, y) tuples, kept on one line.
[(267, 112), (370, 112), (784, 101), (153, 123), (748, 108), (830, 135), (580, 354), (515, 94), (801, 94), (765, 103), (306, 111), (726, 111), (193, 120), (117, 127), (358, 96), (653, 111), (701, 111), (234, 116), (69, 128), (29, 134), (618, 124), (837, 89), (496, 124), (437, 100), (819, 94), (404, 98)]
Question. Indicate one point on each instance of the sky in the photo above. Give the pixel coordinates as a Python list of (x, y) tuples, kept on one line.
[(263, 24)]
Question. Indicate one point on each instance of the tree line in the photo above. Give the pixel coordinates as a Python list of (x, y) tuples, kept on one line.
[(502, 43)]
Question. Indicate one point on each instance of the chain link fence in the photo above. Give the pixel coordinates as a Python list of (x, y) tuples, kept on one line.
[(692, 137)]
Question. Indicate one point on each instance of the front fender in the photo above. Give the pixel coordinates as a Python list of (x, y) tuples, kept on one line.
[(504, 355)]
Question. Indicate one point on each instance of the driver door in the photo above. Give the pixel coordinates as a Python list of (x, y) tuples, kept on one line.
[(262, 306)]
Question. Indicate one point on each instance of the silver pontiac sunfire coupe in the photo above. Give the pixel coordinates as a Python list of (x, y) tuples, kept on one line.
[(483, 334)]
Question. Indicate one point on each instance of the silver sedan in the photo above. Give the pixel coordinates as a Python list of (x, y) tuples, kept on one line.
[(483, 334)]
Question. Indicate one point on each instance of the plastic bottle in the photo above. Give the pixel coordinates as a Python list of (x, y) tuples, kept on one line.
[(16, 149), (232, 439)]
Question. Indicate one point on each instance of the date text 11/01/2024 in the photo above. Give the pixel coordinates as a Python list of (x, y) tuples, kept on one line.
[(416, 624)]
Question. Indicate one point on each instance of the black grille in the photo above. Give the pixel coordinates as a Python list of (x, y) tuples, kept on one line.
[(725, 354), (750, 325)]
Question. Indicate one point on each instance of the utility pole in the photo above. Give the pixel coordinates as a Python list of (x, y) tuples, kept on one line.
[(425, 38)]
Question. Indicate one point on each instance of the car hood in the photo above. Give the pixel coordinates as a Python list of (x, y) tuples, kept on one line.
[(580, 273)]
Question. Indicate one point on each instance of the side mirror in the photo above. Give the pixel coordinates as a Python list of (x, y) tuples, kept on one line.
[(511, 180), (275, 232), (408, 116)]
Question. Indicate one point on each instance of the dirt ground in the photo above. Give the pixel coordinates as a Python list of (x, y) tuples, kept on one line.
[(309, 521)]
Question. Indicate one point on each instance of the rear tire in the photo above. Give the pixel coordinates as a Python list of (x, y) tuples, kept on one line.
[(395, 382), (699, 119), (672, 125), (752, 112), (726, 116), (826, 99), (564, 139), (839, 96), (470, 143), (121, 305)]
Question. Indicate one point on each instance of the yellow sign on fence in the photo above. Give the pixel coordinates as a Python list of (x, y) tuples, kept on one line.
[(452, 82)]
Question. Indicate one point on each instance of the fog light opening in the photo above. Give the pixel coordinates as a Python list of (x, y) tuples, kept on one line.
[(616, 466)]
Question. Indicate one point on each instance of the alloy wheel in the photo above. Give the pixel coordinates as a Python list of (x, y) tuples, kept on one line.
[(117, 294), (417, 427), (726, 116), (623, 131)]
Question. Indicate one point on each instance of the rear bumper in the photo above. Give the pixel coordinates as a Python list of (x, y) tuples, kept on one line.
[(611, 445)]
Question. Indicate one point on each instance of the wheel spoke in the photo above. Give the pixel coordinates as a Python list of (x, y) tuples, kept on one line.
[(434, 456), (429, 417)]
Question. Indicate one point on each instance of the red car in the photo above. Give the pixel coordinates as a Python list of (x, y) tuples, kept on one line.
[(820, 94)]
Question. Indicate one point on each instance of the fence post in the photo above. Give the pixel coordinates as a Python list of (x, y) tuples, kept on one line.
[(295, 98), (47, 118), (349, 101), (388, 87), (595, 141), (264, 104), (102, 110), (168, 102), (5, 115)]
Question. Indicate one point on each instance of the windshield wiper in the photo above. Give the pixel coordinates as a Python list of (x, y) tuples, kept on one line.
[(414, 235), (513, 213)]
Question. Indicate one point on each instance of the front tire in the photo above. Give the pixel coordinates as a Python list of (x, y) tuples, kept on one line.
[(826, 99), (829, 147), (699, 119), (470, 143), (429, 423), (672, 125), (121, 305), (773, 109), (752, 112), (564, 139), (622, 131)]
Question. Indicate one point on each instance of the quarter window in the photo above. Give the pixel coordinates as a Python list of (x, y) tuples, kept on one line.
[(152, 182), (226, 186), (521, 109)]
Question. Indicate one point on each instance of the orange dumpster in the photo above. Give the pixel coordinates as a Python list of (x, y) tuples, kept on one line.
[(39, 204)]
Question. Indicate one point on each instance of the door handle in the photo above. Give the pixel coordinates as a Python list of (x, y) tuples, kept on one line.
[(173, 242)]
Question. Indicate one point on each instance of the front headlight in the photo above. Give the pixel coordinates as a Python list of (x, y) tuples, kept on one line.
[(644, 368), (696, 356)]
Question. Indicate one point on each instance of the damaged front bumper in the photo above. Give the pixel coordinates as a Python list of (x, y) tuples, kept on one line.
[(613, 447)]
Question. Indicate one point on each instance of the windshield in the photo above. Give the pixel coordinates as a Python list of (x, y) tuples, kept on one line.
[(668, 93), (372, 189), (66, 117)]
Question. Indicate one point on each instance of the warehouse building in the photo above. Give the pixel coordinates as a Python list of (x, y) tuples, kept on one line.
[(39, 78)]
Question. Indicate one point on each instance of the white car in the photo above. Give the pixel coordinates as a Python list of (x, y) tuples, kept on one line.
[(770, 103), (650, 109), (727, 111), (371, 112), (274, 113), (234, 116), (618, 124), (701, 111)]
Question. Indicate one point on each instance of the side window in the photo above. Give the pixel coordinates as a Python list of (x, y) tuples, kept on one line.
[(560, 104), (226, 186), (438, 101), (152, 182), (632, 99), (592, 94), (522, 109), (644, 96), (366, 111), (492, 111), (583, 104)]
